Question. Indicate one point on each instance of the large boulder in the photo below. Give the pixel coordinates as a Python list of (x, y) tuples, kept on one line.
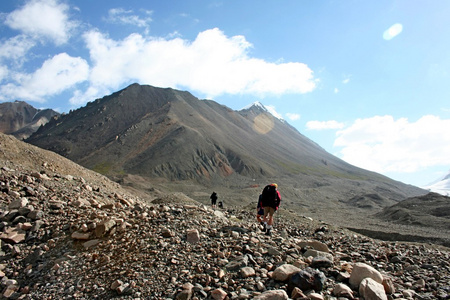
[(283, 272), (361, 271)]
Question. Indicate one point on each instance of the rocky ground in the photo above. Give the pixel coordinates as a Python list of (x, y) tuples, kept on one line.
[(63, 237), (68, 233)]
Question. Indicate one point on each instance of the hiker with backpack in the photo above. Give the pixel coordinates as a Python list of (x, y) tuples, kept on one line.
[(271, 201)]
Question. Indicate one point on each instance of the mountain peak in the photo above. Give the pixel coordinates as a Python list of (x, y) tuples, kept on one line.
[(22, 119), (258, 107), (255, 105)]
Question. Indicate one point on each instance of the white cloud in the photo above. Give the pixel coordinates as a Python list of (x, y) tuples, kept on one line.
[(212, 64), (345, 81), (293, 117), (322, 125), (57, 74), (382, 144), (3, 72), (393, 31), (42, 18), (93, 92), (15, 48), (128, 17), (336, 90)]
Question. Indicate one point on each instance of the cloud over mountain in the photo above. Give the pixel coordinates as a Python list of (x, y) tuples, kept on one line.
[(211, 64), (378, 143)]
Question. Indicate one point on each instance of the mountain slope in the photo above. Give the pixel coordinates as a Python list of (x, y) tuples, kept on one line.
[(21, 119), (430, 210), (157, 134)]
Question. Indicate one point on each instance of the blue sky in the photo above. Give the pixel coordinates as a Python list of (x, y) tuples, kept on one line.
[(367, 80)]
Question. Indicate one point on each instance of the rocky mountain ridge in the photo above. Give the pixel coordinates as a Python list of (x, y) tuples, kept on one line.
[(70, 233), (21, 119)]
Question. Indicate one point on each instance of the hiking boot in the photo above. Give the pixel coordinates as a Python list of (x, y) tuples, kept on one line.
[(264, 227), (268, 232)]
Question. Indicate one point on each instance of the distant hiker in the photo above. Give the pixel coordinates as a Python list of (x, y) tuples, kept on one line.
[(213, 198), (271, 201), (260, 211), (220, 204)]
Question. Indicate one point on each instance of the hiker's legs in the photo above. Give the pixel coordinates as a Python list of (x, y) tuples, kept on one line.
[(266, 214), (270, 213), (268, 219)]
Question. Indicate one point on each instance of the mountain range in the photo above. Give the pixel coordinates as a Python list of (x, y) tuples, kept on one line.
[(148, 137), (161, 140), (20, 119)]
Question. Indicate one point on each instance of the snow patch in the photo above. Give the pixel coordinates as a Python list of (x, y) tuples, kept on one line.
[(441, 186), (269, 109)]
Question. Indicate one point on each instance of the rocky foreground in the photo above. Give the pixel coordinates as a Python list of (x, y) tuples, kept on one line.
[(64, 237)]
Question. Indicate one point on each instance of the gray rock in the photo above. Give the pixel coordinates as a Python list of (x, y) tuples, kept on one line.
[(238, 263), (307, 279), (370, 289)]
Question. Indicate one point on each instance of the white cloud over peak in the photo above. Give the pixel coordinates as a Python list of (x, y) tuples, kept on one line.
[(57, 74), (323, 125), (42, 19), (212, 64), (383, 144)]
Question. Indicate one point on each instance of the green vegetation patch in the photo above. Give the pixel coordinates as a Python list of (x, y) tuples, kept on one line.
[(102, 168)]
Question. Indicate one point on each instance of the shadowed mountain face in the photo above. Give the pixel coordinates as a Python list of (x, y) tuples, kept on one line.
[(21, 119), (430, 210), (159, 133)]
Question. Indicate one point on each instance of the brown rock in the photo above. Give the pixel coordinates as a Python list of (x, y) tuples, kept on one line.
[(13, 236), (218, 294), (193, 236), (77, 235), (91, 243), (18, 203), (104, 227), (342, 290), (247, 272), (298, 294), (184, 295), (115, 284), (388, 285), (273, 295)]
